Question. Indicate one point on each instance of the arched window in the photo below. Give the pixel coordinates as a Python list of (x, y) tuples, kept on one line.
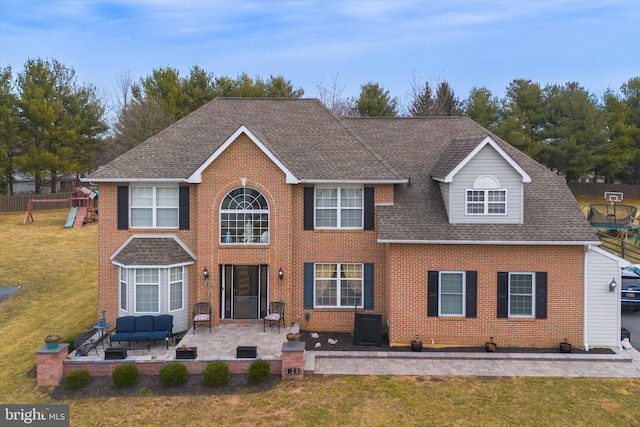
[(244, 217)]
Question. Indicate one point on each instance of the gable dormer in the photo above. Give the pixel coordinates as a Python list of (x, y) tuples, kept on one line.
[(481, 184)]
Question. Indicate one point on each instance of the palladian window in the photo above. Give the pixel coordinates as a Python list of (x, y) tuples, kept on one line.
[(244, 217)]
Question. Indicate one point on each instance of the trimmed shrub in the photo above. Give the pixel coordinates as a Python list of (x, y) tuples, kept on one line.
[(125, 375), (258, 371), (216, 373), (173, 373), (77, 379)]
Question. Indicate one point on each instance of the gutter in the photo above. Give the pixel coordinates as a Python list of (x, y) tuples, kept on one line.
[(490, 242)]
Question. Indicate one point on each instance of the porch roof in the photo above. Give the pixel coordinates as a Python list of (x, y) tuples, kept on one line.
[(152, 251)]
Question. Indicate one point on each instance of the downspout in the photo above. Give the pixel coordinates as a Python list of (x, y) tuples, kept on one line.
[(585, 343)]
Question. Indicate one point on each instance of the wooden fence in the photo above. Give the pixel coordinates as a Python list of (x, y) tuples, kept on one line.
[(19, 202), (597, 189), (625, 246)]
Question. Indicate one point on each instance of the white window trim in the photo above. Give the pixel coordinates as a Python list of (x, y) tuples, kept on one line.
[(260, 239), (485, 202), (154, 207), (169, 283), (533, 295), (338, 284), (464, 294), (135, 290), (123, 280), (338, 209)]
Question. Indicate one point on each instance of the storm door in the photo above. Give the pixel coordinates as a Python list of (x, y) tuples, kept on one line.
[(244, 291)]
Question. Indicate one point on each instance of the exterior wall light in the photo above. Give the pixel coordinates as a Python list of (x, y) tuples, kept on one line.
[(280, 274), (612, 285), (205, 274)]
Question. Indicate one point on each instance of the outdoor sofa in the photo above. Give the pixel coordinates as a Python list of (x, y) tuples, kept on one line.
[(143, 328)]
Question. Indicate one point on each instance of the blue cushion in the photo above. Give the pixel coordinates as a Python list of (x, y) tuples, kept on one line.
[(163, 322), (119, 337), (144, 324), (125, 324)]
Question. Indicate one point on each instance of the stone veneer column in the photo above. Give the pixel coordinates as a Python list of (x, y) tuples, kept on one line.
[(293, 361), (51, 365)]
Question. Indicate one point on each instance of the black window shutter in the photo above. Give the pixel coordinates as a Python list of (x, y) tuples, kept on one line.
[(123, 207), (308, 285), (368, 286), (541, 295), (369, 209), (432, 293), (309, 194), (183, 208), (472, 294), (503, 295)]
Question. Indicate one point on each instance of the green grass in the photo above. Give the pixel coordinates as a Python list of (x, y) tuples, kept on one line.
[(57, 269)]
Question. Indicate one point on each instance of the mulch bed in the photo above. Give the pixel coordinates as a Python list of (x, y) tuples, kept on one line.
[(150, 385), (345, 343)]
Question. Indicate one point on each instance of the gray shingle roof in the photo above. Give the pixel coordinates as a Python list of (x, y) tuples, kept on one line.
[(418, 147), (315, 145), (311, 142), (155, 251)]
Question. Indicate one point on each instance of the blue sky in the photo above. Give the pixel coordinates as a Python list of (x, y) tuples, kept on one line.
[(393, 43)]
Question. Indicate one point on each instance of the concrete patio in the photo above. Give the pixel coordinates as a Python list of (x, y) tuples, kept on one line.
[(219, 344)]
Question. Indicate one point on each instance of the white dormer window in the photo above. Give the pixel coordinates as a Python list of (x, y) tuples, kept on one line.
[(486, 197)]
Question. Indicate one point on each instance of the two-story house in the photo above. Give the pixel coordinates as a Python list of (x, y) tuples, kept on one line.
[(434, 223)]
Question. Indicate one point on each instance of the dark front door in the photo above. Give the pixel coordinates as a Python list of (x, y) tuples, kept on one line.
[(244, 291)]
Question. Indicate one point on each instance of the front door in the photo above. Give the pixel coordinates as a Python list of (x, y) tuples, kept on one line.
[(244, 291)]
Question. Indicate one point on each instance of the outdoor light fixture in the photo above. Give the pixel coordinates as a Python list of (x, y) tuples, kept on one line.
[(612, 285), (280, 274), (205, 273)]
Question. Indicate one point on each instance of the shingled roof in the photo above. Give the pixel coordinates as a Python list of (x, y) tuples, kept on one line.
[(415, 147), (311, 143), (315, 146), (152, 251)]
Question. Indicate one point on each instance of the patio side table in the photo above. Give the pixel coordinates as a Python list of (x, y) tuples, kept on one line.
[(101, 329)]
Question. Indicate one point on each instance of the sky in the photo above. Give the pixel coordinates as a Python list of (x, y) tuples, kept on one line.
[(397, 44)]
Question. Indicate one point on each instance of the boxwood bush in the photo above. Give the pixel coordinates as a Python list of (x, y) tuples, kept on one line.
[(173, 373), (77, 379), (258, 371), (125, 375), (216, 373)]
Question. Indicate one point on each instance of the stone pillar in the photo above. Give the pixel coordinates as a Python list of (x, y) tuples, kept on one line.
[(293, 361), (51, 365)]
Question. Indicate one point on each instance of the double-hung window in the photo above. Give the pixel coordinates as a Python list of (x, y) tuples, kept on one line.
[(452, 294), (122, 273), (147, 285), (521, 294), (339, 207), (154, 207), (176, 288), (338, 285)]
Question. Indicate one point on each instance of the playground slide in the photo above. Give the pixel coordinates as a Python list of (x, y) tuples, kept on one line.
[(72, 217)]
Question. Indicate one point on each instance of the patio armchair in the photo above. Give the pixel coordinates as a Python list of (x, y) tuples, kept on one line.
[(202, 313), (84, 343), (275, 315)]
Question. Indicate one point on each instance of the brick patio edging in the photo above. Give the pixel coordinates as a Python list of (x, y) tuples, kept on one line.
[(54, 365)]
